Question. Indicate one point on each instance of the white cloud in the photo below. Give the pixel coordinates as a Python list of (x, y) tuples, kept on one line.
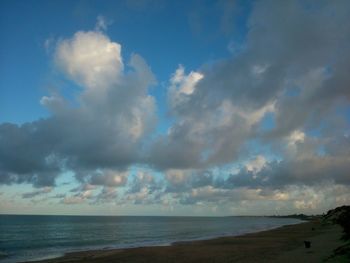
[(182, 85), (91, 59), (294, 140), (109, 178), (49, 44), (177, 176), (259, 69), (256, 164), (296, 137)]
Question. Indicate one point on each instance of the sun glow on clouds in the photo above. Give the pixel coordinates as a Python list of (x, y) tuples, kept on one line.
[(107, 143)]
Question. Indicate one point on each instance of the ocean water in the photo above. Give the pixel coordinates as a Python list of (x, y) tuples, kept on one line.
[(39, 237)]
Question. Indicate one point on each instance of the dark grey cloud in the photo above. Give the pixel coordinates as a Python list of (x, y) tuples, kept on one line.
[(35, 193), (278, 175), (27, 156)]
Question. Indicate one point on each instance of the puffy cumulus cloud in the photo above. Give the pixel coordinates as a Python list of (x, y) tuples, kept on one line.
[(307, 171), (27, 156), (144, 179), (204, 136), (141, 197), (185, 180), (283, 72), (256, 165), (144, 188), (82, 195), (182, 85), (97, 139), (292, 68), (90, 194), (90, 59), (109, 178)]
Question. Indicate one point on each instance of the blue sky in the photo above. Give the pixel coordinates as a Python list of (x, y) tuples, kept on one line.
[(174, 107)]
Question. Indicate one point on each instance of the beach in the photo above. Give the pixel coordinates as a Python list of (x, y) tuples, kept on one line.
[(284, 244)]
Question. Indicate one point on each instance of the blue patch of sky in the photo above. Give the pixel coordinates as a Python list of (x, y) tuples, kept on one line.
[(292, 92), (268, 122), (257, 147)]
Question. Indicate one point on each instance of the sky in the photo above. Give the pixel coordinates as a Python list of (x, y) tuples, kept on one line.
[(151, 107)]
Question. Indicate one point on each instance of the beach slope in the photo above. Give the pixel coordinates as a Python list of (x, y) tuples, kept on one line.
[(285, 244)]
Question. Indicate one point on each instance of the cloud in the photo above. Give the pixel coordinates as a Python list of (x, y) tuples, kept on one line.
[(41, 191), (291, 68), (144, 189), (109, 178), (107, 194), (186, 180), (90, 59), (182, 85), (25, 155), (143, 179), (83, 187), (256, 165), (78, 198), (102, 23), (104, 132), (306, 171)]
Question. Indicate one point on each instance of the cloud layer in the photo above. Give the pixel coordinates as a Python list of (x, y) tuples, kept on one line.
[(265, 125)]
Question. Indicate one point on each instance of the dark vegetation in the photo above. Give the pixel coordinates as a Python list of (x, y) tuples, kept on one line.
[(341, 216)]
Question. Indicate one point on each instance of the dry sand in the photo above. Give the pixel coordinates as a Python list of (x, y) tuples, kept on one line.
[(284, 244)]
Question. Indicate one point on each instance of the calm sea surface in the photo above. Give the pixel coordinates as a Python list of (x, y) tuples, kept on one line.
[(39, 237)]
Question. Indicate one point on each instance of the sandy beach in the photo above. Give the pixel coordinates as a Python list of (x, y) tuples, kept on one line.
[(284, 244)]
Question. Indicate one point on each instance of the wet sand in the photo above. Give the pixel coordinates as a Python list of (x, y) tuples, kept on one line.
[(285, 244)]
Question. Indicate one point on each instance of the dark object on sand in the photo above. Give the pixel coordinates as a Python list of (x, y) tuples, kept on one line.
[(307, 244)]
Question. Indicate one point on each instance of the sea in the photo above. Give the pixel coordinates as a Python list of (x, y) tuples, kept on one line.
[(36, 237)]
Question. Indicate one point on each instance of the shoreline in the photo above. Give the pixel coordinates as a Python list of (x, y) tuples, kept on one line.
[(273, 245), (150, 244)]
